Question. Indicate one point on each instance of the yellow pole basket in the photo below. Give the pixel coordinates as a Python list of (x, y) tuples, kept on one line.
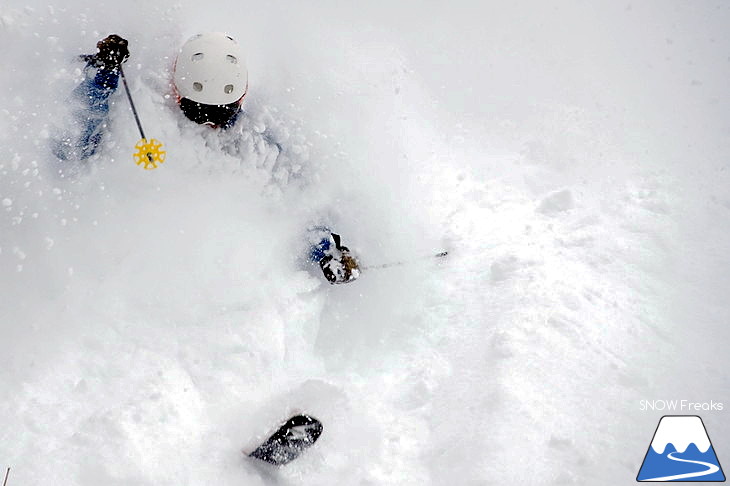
[(149, 155)]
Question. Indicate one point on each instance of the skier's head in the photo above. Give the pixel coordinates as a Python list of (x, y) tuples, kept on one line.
[(211, 78)]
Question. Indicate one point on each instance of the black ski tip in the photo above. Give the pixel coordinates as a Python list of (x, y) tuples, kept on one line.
[(286, 444)]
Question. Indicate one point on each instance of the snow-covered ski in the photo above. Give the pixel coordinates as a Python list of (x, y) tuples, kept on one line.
[(286, 444)]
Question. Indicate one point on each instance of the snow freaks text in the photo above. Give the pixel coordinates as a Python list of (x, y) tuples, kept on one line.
[(680, 406)]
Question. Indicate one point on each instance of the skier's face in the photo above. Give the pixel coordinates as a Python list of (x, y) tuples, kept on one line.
[(214, 115)]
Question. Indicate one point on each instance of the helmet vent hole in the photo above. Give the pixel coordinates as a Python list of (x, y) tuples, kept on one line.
[(198, 56), (231, 59), (197, 86), (228, 89)]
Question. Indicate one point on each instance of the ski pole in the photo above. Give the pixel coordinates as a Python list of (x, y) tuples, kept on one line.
[(7, 473), (131, 103), (149, 149), (403, 262)]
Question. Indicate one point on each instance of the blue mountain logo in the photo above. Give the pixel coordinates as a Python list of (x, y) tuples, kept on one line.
[(681, 451)]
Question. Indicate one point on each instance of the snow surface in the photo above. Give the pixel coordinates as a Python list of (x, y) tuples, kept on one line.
[(571, 156)]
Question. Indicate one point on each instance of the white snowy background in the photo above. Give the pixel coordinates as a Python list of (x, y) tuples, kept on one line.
[(572, 156)]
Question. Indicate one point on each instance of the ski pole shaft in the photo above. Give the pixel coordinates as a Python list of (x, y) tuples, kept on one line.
[(131, 103), (403, 262), (7, 473), (134, 111)]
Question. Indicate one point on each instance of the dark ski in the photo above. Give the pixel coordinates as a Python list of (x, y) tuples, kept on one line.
[(287, 443)]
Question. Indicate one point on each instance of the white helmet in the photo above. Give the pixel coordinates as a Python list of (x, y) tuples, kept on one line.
[(211, 69)]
